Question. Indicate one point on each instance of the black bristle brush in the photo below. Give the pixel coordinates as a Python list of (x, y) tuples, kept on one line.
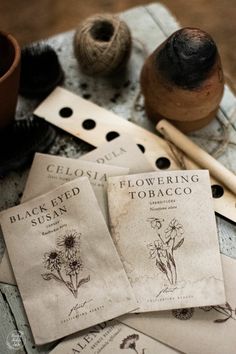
[(20, 140), (41, 71)]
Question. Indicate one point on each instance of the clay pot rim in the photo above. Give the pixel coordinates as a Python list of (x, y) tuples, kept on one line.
[(17, 56)]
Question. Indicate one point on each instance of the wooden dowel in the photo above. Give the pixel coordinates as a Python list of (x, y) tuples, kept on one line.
[(201, 157)]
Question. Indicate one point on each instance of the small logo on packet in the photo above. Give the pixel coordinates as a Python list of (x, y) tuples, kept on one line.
[(15, 340)]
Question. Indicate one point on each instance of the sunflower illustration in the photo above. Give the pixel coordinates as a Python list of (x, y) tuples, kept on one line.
[(69, 243), (130, 342), (183, 314), (53, 260), (65, 263), (74, 266)]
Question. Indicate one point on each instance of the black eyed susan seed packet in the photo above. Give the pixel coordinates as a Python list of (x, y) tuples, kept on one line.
[(66, 266), (49, 171)]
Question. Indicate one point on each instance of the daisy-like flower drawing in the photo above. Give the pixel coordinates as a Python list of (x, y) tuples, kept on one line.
[(163, 247), (53, 260), (157, 249), (74, 266), (175, 229), (69, 243), (130, 342), (226, 313), (183, 314), (64, 262)]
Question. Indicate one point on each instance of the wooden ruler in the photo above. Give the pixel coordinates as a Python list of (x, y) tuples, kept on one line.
[(97, 125)]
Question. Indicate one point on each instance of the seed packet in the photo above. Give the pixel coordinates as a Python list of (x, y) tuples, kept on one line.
[(66, 266), (122, 151), (208, 329), (164, 228), (48, 172), (111, 337)]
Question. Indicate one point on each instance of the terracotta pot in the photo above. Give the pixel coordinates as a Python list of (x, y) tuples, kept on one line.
[(182, 80), (10, 53)]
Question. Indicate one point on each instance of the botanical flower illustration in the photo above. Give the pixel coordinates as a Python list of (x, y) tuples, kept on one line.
[(64, 262), (69, 243), (156, 223), (130, 343), (175, 229), (74, 266), (162, 249), (53, 260), (226, 311), (183, 314)]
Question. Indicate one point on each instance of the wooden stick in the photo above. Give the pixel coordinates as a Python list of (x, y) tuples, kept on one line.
[(201, 157)]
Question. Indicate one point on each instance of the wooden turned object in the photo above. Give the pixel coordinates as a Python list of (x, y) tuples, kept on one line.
[(182, 80)]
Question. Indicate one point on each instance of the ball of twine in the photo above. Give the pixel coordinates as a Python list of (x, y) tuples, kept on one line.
[(102, 44)]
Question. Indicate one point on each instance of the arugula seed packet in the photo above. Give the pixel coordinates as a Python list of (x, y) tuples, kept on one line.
[(208, 329), (111, 337), (164, 228), (122, 151), (66, 266), (48, 172)]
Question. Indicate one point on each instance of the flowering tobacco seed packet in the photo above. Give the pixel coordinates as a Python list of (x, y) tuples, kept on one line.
[(164, 228), (49, 171), (122, 151), (111, 337), (207, 329), (66, 266)]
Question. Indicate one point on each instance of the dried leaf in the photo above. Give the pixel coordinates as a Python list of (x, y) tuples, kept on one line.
[(168, 265), (83, 281), (161, 266), (228, 306), (172, 260), (178, 244), (49, 276), (221, 320), (70, 285)]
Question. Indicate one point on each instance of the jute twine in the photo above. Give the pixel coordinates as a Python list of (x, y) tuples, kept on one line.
[(102, 44)]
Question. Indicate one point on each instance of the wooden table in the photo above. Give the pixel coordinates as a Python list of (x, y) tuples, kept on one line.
[(150, 25)]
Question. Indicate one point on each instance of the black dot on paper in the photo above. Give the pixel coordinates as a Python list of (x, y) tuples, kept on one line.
[(112, 135), (217, 191), (65, 112), (141, 147), (162, 163), (88, 124)]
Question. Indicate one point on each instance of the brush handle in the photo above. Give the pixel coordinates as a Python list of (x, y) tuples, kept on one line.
[(201, 157)]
